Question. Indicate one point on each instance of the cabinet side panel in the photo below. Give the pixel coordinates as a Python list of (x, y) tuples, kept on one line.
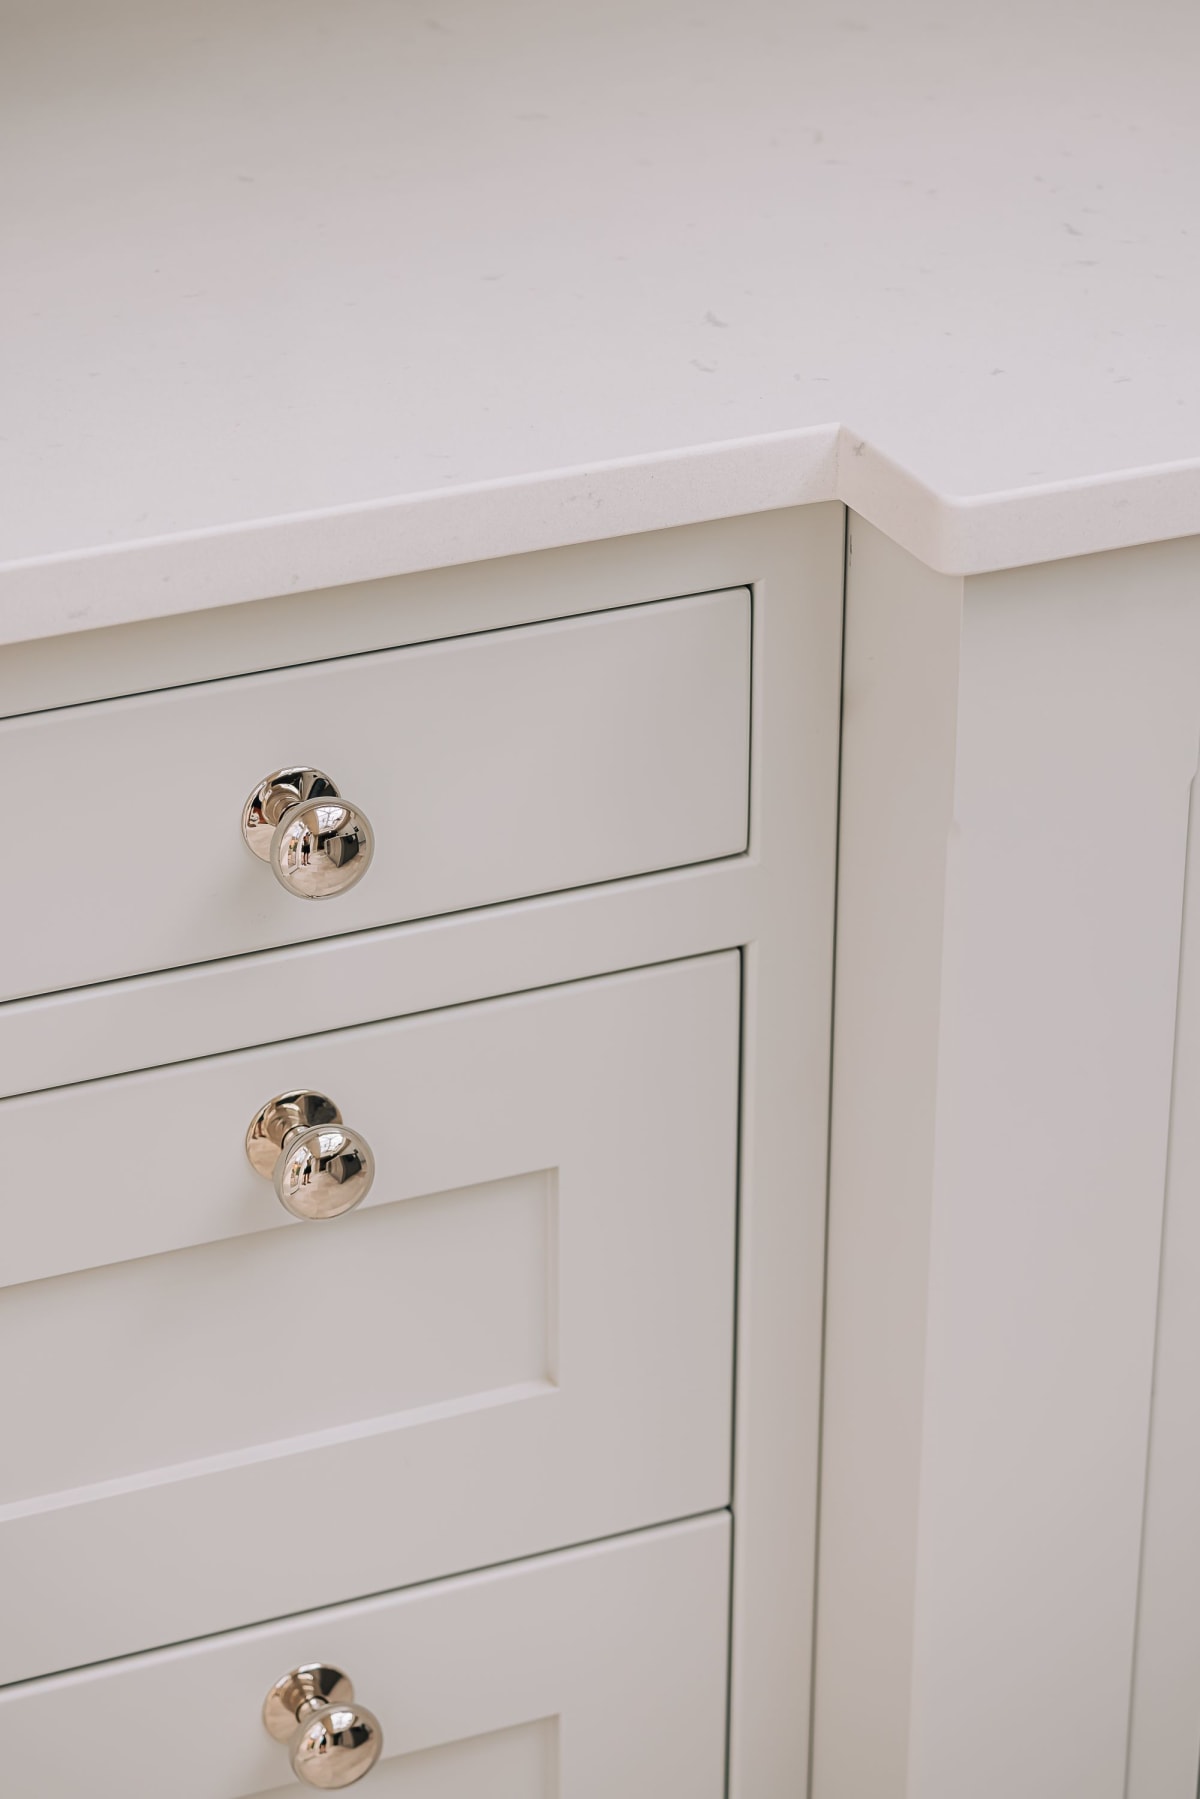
[(1077, 746), (785, 1088), (1164, 1736), (899, 701)]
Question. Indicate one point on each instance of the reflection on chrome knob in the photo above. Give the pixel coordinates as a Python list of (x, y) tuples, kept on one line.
[(331, 1741), (316, 842), (319, 1167)]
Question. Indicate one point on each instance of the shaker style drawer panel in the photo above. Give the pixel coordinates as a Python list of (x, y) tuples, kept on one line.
[(521, 1338), (486, 768), (586, 1675)]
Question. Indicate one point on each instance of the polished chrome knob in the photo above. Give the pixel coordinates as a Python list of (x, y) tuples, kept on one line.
[(318, 1167), (316, 842), (331, 1741)]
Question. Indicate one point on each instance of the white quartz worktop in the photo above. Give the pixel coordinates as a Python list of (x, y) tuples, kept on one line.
[(298, 292)]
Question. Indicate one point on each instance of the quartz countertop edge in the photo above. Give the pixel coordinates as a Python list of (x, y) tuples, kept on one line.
[(193, 571), (398, 288)]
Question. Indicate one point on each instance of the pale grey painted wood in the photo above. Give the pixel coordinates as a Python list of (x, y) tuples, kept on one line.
[(1030, 1136), (507, 763), (785, 1097), (296, 628), (899, 721), (1079, 719), (523, 1339), (118, 1026), (1164, 1735), (794, 560), (777, 900), (577, 1676)]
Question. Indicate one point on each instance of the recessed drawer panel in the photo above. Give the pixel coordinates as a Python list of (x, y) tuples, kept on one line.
[(521, 1338), (489, 767), (586, 1675)]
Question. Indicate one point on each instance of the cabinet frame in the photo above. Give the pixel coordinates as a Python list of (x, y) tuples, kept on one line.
[(775, 903)]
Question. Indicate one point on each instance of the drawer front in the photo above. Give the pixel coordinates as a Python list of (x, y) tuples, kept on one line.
[(587, 1675), (491, 767), (523, 1338)]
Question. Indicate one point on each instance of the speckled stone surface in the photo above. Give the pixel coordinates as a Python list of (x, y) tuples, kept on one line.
[(299, 292)]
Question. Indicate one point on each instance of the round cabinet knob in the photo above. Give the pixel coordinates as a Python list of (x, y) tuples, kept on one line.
[(318, 1166), (331, 1741), (317, 843)]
